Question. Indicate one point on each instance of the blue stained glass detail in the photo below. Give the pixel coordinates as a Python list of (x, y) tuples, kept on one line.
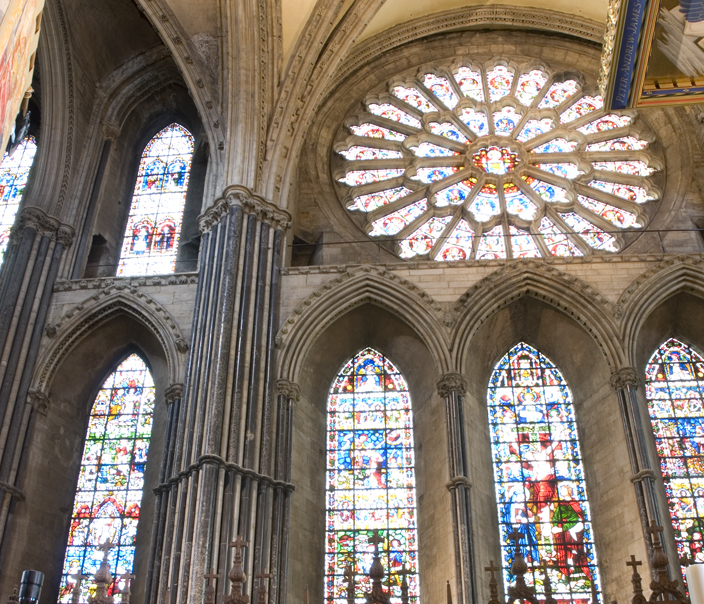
[(674, 385), (371, 477), (540, 488)]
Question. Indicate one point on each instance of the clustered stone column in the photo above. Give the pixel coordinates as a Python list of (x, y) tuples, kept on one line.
[(31, 264), (625, 382), (452, 387), (225, 473)]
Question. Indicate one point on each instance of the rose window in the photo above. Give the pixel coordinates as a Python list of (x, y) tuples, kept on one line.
[(505, 162)]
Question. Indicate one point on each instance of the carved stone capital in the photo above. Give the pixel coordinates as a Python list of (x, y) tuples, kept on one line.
[(110, 131), (39, 401), (458, 481), (44, 225), (173, 392), (288, 389), (251, 203), (181, 345), (626, 376), (452, 382)]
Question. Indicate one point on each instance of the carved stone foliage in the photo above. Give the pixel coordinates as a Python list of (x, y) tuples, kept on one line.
[(43, 224), (627, 376), (288, 389), (452, 382)]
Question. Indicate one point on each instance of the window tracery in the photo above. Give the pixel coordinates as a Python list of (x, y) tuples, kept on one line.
[(14, 173), (154, 224), (539, 477), (370, 477), (497, 161), (674, 385), (111, 480)]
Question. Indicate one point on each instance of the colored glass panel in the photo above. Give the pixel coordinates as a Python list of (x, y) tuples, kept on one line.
[(441, 88), (629, 192), (674, 382), (358, 153), (582, 107), (558, 93), (154, 223), (431, 150), (566, 170), (447, 130), (428, 175), (423, 240), (505, 121), (470, 83), (459, 244), (547, 191), (357, 178), (14, 173), (637, 168), (476, 121), (455, 194), (625, 143), (495, 160), (391, 112), (593, 235), (371, 477), (522, 244), (394, 222), (414, 98), (540, 489), (608, 122), (109, 494), (558, 243), (517, 203), (492, 245), (616, 216), (374, 131), (529, 85), (535, 128), (372, 201), (499, 81), (556, 145), (485, 203)]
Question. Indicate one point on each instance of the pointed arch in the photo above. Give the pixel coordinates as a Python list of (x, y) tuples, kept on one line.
[(371, 476), (674, 383), (111, 481), (153, 228), (539, 476)]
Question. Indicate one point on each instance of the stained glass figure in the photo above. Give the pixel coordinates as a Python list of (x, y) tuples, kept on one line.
[(14, 173), (370, 477), (540, 489), (495, 160), (674, 382), (154, 224), (111, 480), (506, 171)]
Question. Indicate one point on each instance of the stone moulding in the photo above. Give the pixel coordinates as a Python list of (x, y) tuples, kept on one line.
[(44, 225), (238, 195), (129, 282)]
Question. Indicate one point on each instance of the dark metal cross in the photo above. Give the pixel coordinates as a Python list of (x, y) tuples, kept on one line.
[(492, 568), (212, 576), (349, 573), (655, 530), (634, 563), (263, 575), (106, 547), (375, 540), (515, 536), (238, 544)]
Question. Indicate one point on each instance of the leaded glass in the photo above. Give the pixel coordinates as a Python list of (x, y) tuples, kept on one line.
[(14, 172), (111, 479), (371, 477), (540, 489), (546, 164), (674, 382), (154, 224)]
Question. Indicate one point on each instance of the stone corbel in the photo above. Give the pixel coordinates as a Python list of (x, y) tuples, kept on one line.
[(172, 393), (39, 401), (459, 481), (110, 131)]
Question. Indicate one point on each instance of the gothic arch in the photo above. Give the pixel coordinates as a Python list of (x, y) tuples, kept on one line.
[(566, 293), (672, 283), (350, 290), (90, 316)]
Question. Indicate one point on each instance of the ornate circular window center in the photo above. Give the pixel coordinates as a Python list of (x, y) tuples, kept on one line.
[(496, 161)]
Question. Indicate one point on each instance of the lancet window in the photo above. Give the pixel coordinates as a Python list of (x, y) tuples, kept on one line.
[(540, 489), (111, 480), (370, 477), (674, 385), (153, 228), (492, 161), (14, 173)]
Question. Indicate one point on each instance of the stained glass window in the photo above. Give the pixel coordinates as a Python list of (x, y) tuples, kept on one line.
[(540, 488), (111, 479), (674, 385), (154, 224), (370, 477), (550, 154), (14, 172)]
